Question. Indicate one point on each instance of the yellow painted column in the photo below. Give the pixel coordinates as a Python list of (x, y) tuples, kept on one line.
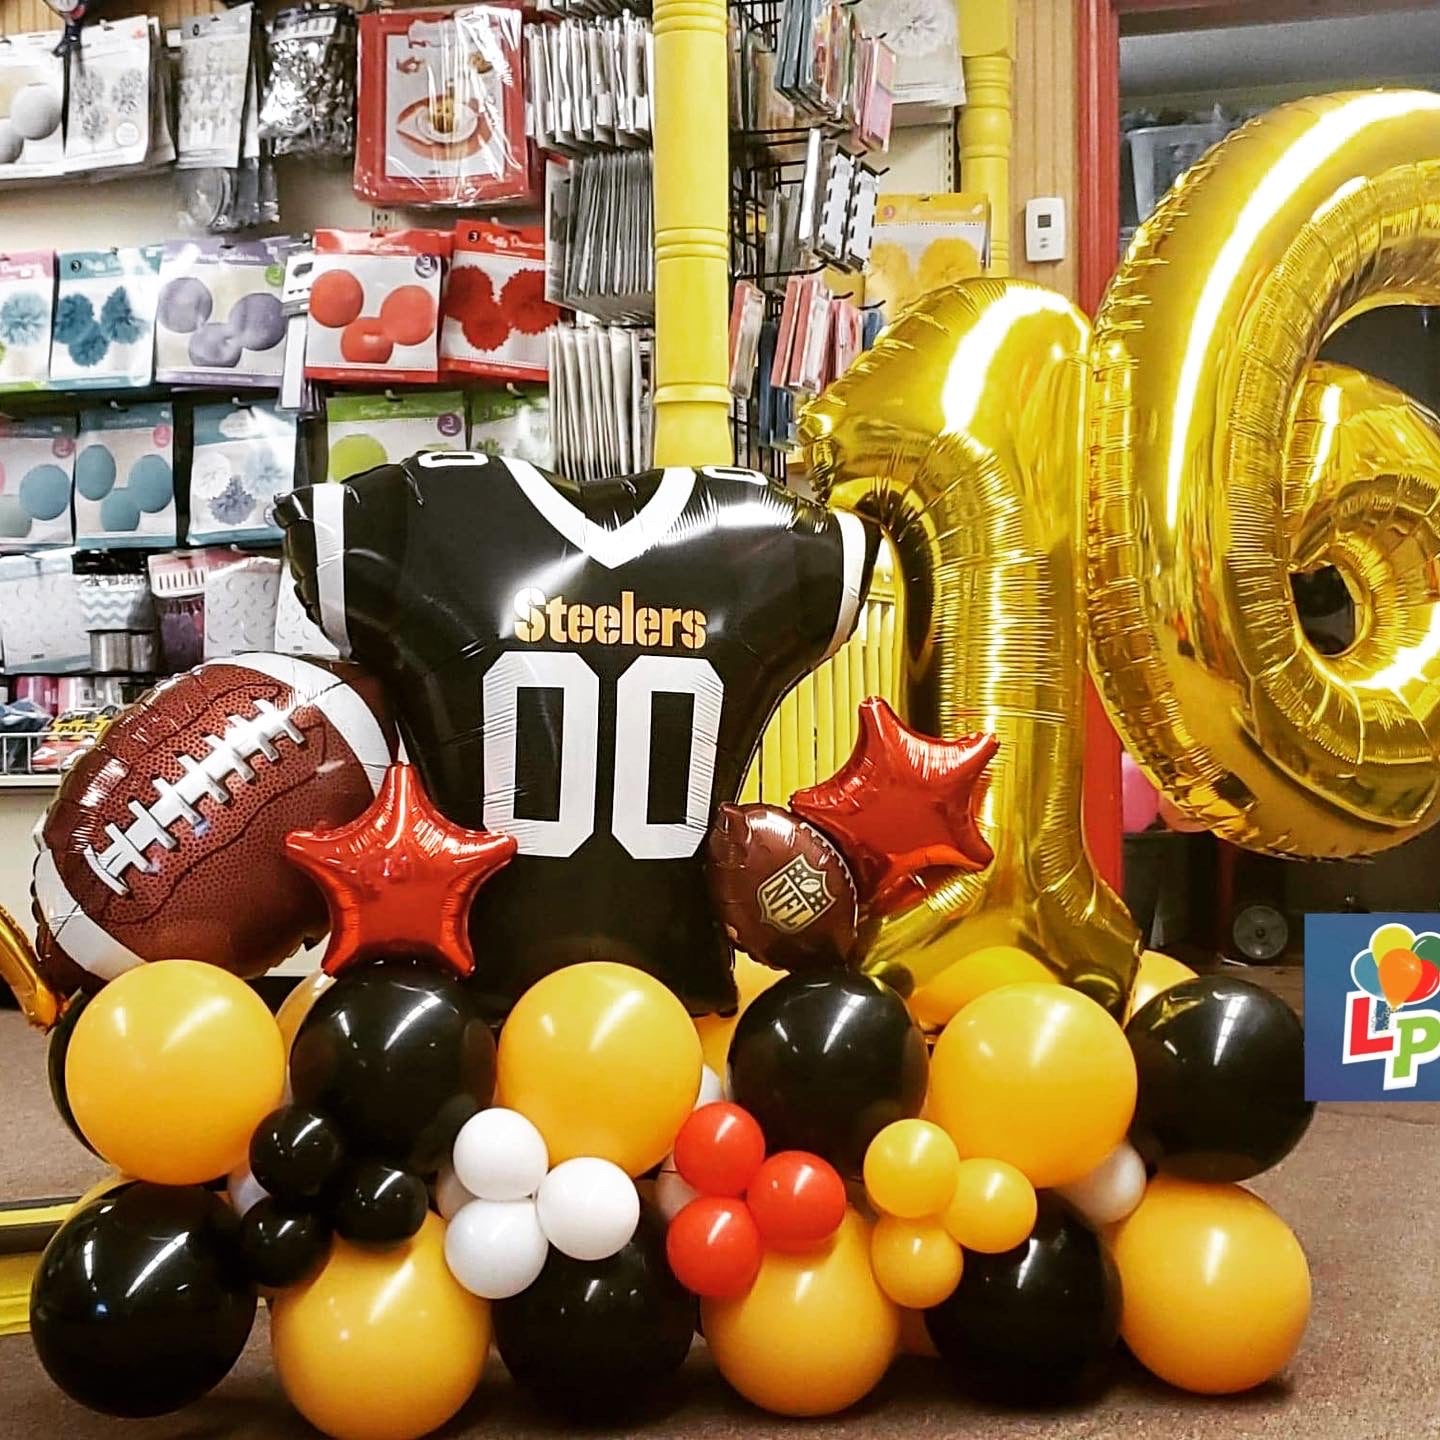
[(987, 48), (692, 249)]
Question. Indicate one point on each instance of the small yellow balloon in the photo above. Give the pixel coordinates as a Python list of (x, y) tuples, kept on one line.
[(171, 1067), (296, 1005), (1391, 937), (1217, 1289), (1155, 975), (993, 1207), (813, 1334), (382, 1344), (1038, 1075), (968, 979), (751, 979), (916, 1262), (603, 1060), (910, 1169)]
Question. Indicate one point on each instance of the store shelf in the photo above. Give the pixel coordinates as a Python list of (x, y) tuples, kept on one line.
[(29, 782)]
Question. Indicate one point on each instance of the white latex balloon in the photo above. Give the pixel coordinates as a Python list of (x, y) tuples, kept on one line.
[(500, 1155), (495, 1248), (1112, 1189), (12, 142), (672, 1194), (35, 111), (588, 1208), (711, 1088), (450, 1194), (244, 1190)]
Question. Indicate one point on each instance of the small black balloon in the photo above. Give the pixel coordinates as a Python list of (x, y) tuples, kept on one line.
[(598, 1338), (295, 1152), (374, 1204), (825, 1062), (1036, 1324), (282, 1247), (55, 1053), (398, 1055), (142, 1301), (1221, 1069)]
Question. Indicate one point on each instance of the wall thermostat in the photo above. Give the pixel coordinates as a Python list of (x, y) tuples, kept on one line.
[(1045, 228)]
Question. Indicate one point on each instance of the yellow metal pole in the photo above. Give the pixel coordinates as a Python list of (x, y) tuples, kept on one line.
[(692, 251), (987, 49)]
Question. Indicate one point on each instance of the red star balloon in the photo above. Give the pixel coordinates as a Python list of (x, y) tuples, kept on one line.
[(902, 803), (400, 877)]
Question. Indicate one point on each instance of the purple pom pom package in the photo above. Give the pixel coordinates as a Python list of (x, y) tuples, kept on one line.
[(103, 335), (220, 320)]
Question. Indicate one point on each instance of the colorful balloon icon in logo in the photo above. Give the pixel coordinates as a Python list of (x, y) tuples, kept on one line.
[(1400, 967)]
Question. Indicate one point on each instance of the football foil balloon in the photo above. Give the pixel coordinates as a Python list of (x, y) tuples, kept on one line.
[(166, 839), (587, 667)]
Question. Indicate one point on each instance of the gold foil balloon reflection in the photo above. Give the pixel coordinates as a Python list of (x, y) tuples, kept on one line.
[(1225, 460), (962, 433)]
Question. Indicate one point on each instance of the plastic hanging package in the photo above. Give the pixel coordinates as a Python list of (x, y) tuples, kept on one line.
[(32, 106), (364, 431), (513, 420), (244, 460), (125, 477), (108, 120), (27, 302), (309, 104), (37, 467), (442, 108), (495, 312), (104, 332)]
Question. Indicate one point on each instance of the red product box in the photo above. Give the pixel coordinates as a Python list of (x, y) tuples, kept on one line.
[(375, 305), (496, 319), (441, 108)]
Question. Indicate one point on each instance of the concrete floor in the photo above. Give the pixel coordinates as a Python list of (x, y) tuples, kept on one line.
[(1359, 1192)]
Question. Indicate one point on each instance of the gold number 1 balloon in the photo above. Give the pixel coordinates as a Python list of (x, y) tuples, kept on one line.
[(1225, 459), (962, 434), (20, 971)]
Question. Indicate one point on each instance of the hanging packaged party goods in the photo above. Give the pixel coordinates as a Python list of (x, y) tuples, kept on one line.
[(108, 122), (37, 463), (442, 108), (27, 299), (375, 305), (104, 332), (495, 312), (220, 318), (364, 431), (32, 106), (244, 461), (124, 477)]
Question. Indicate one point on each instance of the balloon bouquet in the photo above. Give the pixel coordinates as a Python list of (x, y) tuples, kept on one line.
[(950, 1107)]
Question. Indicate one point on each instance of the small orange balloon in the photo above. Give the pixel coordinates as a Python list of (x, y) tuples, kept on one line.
[(296, 1005), (1400, 973), (1155, 974)]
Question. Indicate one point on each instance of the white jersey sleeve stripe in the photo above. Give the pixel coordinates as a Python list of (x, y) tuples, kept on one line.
[(329, 522), (852, 551)]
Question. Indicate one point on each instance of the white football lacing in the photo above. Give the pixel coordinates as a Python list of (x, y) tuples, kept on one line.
[(230, 754)]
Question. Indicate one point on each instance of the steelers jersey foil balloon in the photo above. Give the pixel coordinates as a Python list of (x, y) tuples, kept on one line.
[(586, 667)]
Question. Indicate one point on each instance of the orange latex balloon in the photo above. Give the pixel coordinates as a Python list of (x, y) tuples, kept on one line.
[(916, 1262), (171, 1067), (1036, 1075), (987, 969), (1400, 974), (813, 1334), (382, 1344), (1155, 974), (992, 1207), (910, 1169), (1217, 1290), (296, 1005), (751, 979)]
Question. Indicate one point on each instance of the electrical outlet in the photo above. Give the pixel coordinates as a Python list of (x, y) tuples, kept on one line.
[(382, 217)]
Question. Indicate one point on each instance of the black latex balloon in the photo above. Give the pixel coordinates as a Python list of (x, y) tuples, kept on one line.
[(587, 666), (824, 1062), (294, 1153), (282, 1247), (1221, 1066), (55, 1053), (142, 1301), (397, 1054), (593, 1338), (1036, 1324), (374, 1204)]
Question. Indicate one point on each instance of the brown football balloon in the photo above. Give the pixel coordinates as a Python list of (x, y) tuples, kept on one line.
[(783, 892)]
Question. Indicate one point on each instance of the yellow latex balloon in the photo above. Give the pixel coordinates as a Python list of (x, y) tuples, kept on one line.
[(751, 979), (1393, 936), (296, 1005), (382, 1344), (916, 1262), (910, 1170), (1217, 1290), (1036, 1075), (962, 433), (1225, 459), (603, 1060), (170, 1069), (993, 1207), (20, 970), (814, 1334), (988, 969), (1156, 974)]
